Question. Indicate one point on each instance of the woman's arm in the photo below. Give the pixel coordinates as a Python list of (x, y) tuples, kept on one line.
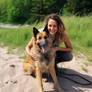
[(67, 44), (29, 46)]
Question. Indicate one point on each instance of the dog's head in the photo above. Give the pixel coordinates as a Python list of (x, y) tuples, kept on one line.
[(42, 40)]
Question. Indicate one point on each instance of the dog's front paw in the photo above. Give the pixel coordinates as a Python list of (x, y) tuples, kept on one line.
[(41, 90), (60, 90)]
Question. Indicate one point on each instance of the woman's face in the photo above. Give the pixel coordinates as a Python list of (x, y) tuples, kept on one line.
[(52, 26)]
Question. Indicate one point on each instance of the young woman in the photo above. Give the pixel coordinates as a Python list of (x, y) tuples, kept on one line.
[(59, 35)]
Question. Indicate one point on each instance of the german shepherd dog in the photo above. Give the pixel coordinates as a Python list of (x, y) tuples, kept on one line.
[(43, 49)]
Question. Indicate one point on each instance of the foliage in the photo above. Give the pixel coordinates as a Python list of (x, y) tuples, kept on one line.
[(3, 10), (77, 7), (18, 11), (41, 8), (29, 11)]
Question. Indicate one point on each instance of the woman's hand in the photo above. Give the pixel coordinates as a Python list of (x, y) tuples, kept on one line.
[(34, 57)]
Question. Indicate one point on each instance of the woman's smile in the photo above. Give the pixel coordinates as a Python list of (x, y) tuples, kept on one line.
[(52, 26)]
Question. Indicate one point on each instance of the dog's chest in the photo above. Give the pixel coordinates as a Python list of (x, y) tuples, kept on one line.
[(46, 61), (45, 58)]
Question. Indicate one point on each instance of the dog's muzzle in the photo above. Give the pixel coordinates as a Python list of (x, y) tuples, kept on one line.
[(43, 46)]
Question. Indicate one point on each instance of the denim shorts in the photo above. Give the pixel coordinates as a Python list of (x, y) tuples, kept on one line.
[(62, 56)]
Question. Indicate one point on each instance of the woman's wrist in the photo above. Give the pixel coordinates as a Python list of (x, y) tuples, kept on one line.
[(56, 49)]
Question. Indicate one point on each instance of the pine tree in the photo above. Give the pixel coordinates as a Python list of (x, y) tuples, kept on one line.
[(41, 8)]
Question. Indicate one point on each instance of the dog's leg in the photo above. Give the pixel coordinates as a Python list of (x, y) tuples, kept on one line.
[(39, 76), (53, 74)]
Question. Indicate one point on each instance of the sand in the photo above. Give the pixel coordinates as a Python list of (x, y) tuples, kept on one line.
[(14, 79)]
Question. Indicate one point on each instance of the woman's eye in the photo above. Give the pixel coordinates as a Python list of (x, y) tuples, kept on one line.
[(49, 25), (54, 26)]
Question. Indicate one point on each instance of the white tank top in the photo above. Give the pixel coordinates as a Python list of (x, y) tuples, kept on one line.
[(40, 30)]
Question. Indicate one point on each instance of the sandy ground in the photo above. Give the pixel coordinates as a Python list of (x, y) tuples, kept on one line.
[(13, 79)]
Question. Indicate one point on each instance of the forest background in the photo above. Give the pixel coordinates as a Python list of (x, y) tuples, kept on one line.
[(29, 11)]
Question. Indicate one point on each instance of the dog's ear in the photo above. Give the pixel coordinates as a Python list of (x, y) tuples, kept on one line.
[(35, 31), (46, 29)]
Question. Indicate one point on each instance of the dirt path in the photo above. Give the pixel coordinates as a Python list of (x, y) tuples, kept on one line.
[(13, 79), (12, 26)]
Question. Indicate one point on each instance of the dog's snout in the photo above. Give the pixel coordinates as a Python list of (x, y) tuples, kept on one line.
[(43, 44)]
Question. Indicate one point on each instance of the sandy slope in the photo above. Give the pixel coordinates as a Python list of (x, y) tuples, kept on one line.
[(13, 79)]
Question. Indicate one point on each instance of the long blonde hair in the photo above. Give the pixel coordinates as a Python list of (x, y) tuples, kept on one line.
[(59, 36)]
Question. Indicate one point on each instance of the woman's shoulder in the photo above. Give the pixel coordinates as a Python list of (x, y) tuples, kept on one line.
[(63, 37), (65, 32)]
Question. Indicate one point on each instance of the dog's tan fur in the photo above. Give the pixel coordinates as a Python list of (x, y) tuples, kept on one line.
[(44, 63)]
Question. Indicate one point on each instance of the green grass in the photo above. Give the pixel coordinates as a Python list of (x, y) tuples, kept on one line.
[(80, 33), (79, 30), (85, 69), (16, 37)]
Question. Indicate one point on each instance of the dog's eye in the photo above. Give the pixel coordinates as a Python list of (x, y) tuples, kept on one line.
[(39, 38), (45, 37)]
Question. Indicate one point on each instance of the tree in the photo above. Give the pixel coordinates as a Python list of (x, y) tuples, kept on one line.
[(41, 8), (3, 10), (77, 7), (19, 10)]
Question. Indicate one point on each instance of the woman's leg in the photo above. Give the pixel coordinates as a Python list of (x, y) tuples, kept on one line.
[(62, 56)]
